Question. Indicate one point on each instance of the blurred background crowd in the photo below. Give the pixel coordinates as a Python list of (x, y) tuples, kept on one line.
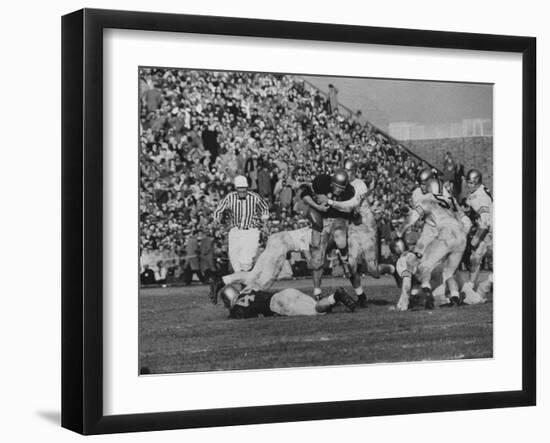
[(198, 129)]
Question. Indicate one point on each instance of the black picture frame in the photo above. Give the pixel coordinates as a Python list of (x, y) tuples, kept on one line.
[(82, 218)]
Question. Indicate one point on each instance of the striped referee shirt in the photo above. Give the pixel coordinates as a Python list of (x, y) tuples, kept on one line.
[(243, 213)]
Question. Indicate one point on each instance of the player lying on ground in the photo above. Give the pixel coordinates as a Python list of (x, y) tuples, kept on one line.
[(412, 297), (269, 263), (288, 302), (446, 248)]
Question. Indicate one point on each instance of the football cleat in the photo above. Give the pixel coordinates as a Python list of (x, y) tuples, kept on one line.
[(345, 264), (343, 297), (423, 300), (429, 302), (398, 279), (456, 301), (362, 300)]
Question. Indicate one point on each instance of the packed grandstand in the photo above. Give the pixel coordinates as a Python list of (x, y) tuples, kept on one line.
[(199, 129)]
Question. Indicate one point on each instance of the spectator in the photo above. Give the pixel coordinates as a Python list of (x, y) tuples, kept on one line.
[(210, 142), (285, 196), (449, 168), (207, 262), (332, 99), (264, 183), (251, 171), (192, 262), (208, 123), (152, 97)]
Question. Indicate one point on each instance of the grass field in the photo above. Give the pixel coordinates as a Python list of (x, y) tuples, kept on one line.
[(181, 331)]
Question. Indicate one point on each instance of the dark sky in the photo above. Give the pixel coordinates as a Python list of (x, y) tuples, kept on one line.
[(424, 102)]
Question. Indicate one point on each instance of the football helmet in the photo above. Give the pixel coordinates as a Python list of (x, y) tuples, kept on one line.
[(433, 185), (425, 175), (473, 177), (340, 179), (229, 296)]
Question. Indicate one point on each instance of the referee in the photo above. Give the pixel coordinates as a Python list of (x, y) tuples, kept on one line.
[(245, 209)]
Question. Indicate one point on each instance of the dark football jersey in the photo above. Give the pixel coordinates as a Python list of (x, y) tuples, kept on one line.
[(252, 305), (322, 185)]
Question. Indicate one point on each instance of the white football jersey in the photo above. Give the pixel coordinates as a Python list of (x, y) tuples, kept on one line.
[(481, 201), (360, 187), (436, 211)]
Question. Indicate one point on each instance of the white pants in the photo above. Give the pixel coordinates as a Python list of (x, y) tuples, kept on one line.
[(243, 246), (293, 302)]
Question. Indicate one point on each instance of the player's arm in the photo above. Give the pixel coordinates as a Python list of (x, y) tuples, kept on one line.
[(484, 224), (348, 205), (412, 217), (406, 287), (306, 194), (345, 206)]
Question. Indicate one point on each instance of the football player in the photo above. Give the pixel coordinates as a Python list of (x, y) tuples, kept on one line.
[(362, 233), (411, 297), (328, 223), (269, 263), (446, 247), (288, 302), (480, 201), (445, 198)]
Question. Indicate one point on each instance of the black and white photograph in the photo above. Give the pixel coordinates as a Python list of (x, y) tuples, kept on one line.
[(291, 221)]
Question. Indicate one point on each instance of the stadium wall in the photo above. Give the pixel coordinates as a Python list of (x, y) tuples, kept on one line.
[(470, 151)]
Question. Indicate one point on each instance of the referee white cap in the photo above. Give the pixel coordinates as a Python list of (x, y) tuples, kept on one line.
[(241, 181)]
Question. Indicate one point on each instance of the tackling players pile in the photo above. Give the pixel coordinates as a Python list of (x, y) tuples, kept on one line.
[(342, 221)]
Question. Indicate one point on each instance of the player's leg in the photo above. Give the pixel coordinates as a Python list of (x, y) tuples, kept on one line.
[(450, 266), (237, 277), (340, 236), (354, 251), (265, 270), (290, 302), (475, 261), (434, 254), (318, 250), (427, 235), (250, 240), (485, 287), (404, 297)]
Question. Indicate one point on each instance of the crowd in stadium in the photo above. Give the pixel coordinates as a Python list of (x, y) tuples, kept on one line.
[(198, 129)]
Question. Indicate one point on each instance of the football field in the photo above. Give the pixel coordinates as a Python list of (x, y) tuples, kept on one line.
[(181, 331)]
